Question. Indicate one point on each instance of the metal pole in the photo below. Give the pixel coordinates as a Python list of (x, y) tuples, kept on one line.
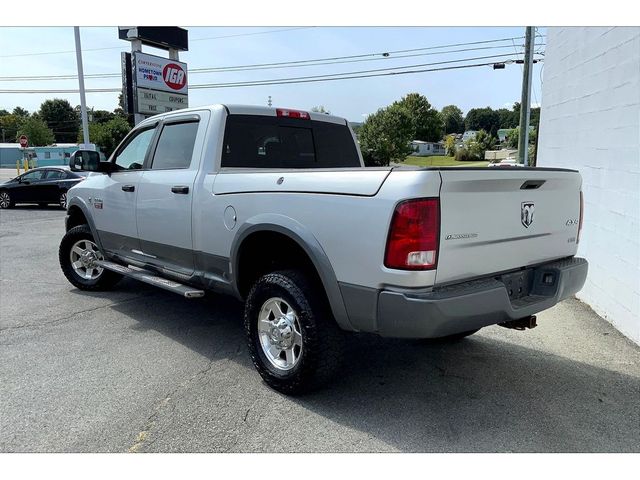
[(136, 46), (83, 100), (525, 101)]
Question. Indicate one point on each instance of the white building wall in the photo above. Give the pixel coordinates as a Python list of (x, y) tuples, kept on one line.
[(590, 121)]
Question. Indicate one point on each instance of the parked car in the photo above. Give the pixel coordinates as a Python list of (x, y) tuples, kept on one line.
[(42, 185), (275, 207)]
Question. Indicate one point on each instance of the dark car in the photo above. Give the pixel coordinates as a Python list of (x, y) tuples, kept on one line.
[(43, 186)]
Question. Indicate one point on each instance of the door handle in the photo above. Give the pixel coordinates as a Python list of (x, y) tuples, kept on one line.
[(180, 189), (128, 188)]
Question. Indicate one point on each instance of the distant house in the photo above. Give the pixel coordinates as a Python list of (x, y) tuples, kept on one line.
[(469, 135), (502, 134), (51, 155), (425, 149)]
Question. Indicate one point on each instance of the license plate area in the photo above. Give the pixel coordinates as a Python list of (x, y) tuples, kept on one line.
[(518, 284)]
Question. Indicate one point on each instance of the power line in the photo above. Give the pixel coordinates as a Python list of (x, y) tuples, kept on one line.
[(121, 47), (300, 63), (284, 81), (243, 69)]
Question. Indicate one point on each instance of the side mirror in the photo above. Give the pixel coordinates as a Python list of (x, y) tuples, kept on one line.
[(84, 160), (89, 161)]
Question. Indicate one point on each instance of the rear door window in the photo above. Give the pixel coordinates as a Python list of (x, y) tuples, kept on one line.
[(257, 141), (175, 146), (54, 175)]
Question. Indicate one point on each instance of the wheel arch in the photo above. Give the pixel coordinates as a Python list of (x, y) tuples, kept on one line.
[(308, 244), (77, 211)]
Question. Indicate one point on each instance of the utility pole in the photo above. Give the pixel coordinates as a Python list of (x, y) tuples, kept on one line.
[(525, 100), (83, 99)]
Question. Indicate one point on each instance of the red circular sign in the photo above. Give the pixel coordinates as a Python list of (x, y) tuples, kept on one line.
[(174, 76), (24, 141)]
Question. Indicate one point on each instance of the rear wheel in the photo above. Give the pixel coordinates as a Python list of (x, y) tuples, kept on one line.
[(5, 200), (62, 201), (294, 342), (77, 254)]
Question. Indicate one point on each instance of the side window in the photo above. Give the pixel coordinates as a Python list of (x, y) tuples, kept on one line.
[(54, 175), (175, 146), (131, 157), (33, 176)]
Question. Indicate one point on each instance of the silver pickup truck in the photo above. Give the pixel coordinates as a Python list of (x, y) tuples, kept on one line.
[(275, 207)]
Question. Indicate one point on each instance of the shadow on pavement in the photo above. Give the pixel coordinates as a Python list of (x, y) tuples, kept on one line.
[(480, 394)]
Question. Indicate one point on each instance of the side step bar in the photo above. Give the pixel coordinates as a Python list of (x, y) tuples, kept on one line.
[(152, 279)]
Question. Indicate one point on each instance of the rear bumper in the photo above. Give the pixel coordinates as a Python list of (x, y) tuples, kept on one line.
[(475, 304)]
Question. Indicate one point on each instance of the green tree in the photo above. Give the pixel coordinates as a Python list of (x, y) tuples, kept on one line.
[(107, 135), (450, 145), (513, 137), (62, 118), (101, 116), (453, 119), (9, 126), (385, 136), (426, 121), (508, 118), (485, 119), (37, 131), (476, 147), (20, 112)]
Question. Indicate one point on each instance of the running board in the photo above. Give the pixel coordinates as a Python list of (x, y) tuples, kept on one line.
[(152, 279)]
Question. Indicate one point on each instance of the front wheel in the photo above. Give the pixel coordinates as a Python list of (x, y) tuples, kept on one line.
[(77, 254), (5, 200), (294, 342)]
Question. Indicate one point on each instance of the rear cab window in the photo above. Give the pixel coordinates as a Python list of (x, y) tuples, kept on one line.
[(259, 141)]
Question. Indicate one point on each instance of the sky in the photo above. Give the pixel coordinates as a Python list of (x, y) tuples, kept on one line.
[(20, 50)]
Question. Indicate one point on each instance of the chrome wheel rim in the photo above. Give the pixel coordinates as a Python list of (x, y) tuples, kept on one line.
[(280, 334), (83, 255), (5, 200), (63, 200)]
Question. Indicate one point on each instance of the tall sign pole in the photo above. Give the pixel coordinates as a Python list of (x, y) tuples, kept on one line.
[(525, 100), (83, 99)]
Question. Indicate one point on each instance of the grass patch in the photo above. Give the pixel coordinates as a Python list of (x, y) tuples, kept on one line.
[(441, 161)]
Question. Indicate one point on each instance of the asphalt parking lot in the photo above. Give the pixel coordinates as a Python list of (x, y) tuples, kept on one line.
[(142, 370)]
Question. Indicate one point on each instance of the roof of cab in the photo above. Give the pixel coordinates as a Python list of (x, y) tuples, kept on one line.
[(250, 110)]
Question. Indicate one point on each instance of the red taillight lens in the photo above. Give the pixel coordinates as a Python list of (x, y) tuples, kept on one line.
[(413, 238), (581, 217), (283, 112)]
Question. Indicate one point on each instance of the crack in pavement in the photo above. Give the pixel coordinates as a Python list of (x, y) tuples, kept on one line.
[(143, 437), (69, 317)]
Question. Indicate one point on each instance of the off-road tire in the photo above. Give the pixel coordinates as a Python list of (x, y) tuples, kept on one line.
[(105, 281), (322, 339)]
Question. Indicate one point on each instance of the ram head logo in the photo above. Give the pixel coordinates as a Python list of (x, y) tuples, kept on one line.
[(526, 213)]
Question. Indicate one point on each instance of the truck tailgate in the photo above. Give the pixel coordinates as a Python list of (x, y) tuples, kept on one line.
[(495, 220)]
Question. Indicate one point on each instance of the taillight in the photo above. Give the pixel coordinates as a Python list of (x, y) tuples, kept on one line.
[(283, 112), (413, 237), (581, 217)]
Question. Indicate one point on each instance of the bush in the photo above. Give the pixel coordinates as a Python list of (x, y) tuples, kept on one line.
[(463, 155)]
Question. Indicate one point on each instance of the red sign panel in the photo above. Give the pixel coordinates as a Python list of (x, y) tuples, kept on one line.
[(174, 76)]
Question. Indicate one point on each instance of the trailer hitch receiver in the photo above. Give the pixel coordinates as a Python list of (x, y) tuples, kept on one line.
[(521, 323)]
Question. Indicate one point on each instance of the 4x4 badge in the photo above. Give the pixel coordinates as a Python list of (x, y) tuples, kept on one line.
[(526, 213)]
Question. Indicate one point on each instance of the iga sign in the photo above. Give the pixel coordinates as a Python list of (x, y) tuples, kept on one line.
[(158, 73)]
